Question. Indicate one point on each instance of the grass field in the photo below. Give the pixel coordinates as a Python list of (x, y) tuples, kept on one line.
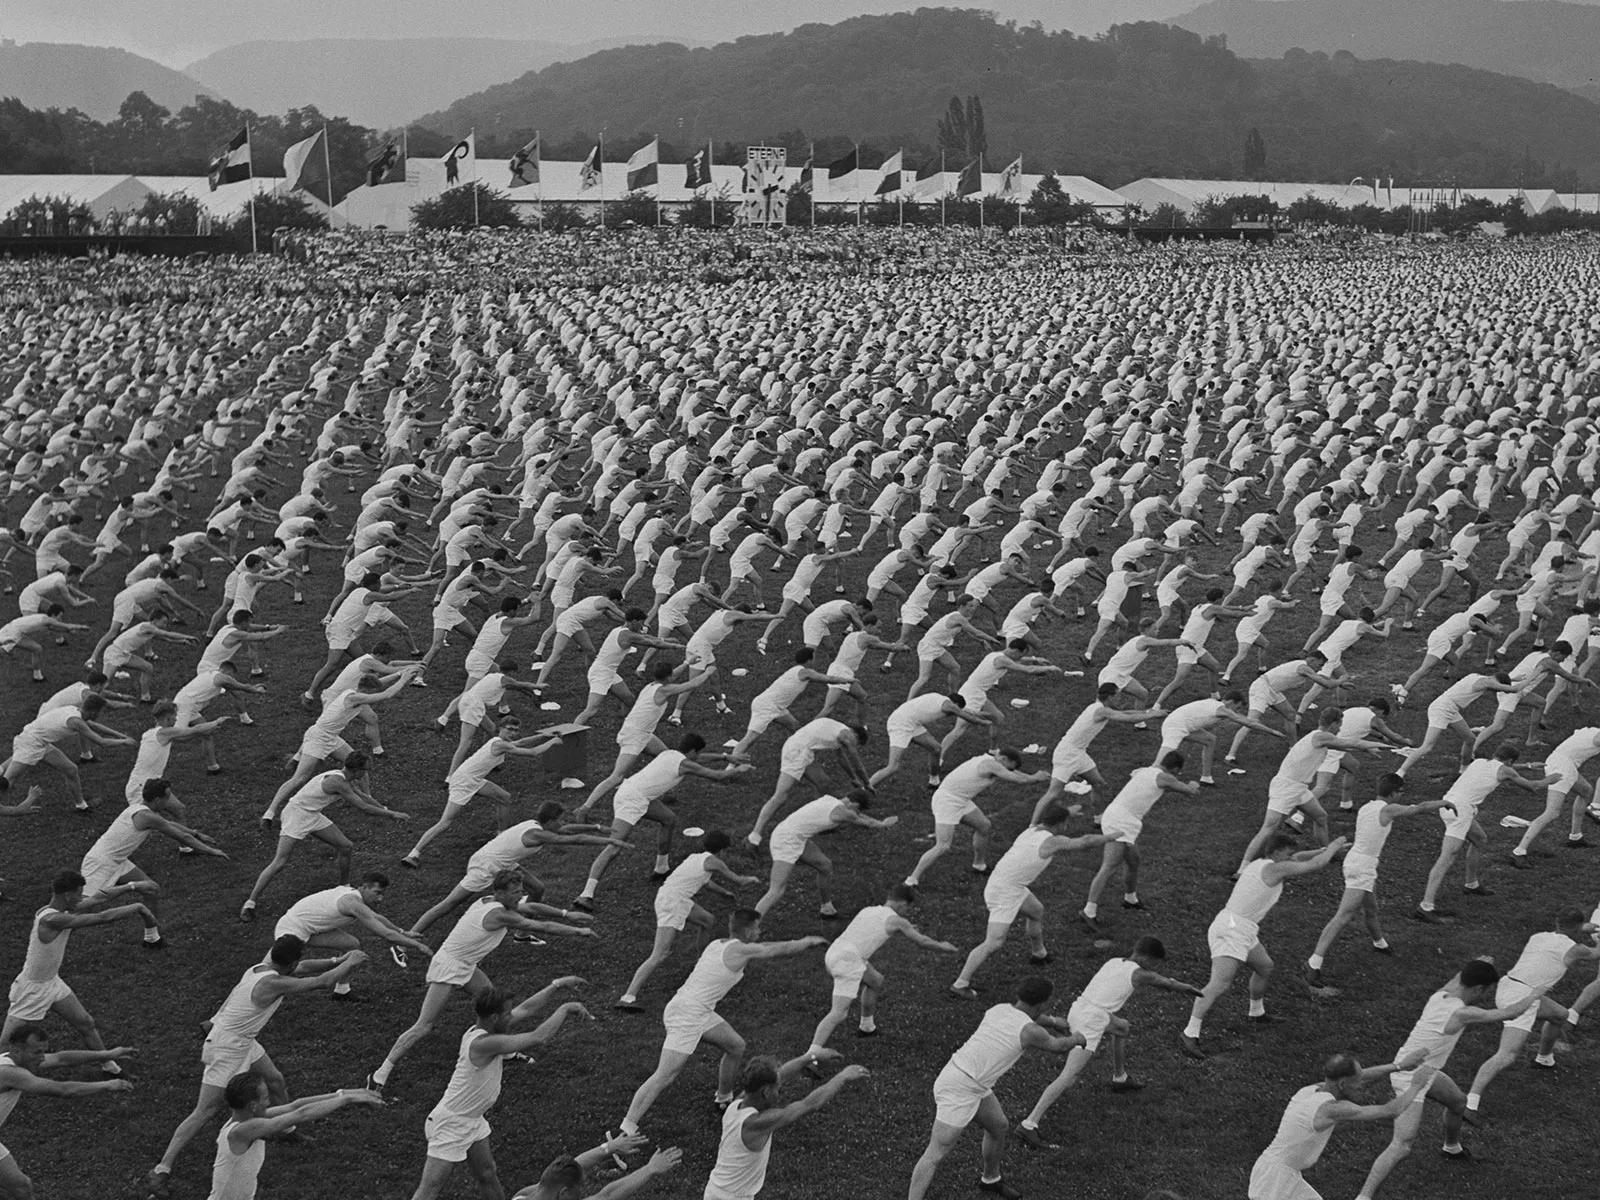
[(1195, 1129)]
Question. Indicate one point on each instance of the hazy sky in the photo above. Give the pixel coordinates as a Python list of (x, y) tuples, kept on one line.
[(177, 32)]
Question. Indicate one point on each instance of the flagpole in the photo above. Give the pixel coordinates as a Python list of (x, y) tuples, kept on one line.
[(538, 140), (327, 168), (473, 134), (254, 247), (980, 195), (857, 146), (1019, 191), (711, 182), (944, 185), (812, 159), (657, 140), (600, 164)]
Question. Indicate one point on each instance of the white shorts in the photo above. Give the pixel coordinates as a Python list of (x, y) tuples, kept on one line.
[(1439, 644), (794, 760), (1004, 902), (114, 661), (956, 1097), (1507, 702), (463, 789), (634, 742), (319, 743), (949, 808), (1127, 828), (602, 679), (1459, 824), (787, 847), (848, 969), (1442, 714), (1331, 762), (1189, 654), (1331, 606), (124, 614), (568, 625), (446, 619), (1231, 936), (223, 1060), (629, 804), (902, 732), (472, 712), (1271, 1180), (442, 968), (1360, 872), (672, 912), (300, 823), (1263, 696), (686, 1025), (1564, 767), (1089, 1021), (1400, 1081), (763, 713), (28, 749), (1069, 763), (813, 631), (100, 875), (30, 999), (1116, 676), (1508, 992), (913, 615), (450, 1137), (1286, 795)]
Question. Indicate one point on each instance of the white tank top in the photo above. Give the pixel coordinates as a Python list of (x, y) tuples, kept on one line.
[(851, 652), (1298, 1143), (740, 1171), (1252, 898), (968, 779), (867, 931), (43, 962), (121, 838), (1357, 722), (710, 980), (1112, 985), (1303, 759), (469, 941), (809, 819), (658, 777), (8, 1096), (1578, 747), (986, 674), (1371, 832), (994, 1046), (646, 712), (785, 689), (472, 1089), (1542, 962), (611, 653), (233, 1176), (1429, 1032), (1084, 729), (316, 913), (504, 849), (1480, 778), (815, 733), (314, 797), (687, 878), (1021, 864), (1138, 796), (240, 1018), (1129, 658)]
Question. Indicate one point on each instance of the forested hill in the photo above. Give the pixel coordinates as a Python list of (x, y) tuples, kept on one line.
[(93, 79), (1142, 99)]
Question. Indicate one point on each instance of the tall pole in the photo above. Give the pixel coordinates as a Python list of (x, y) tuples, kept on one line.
[(327, 169), (600, 163), (254, 248), (812, 159), (711, 182), (1019, 191), (944, 186), (857, 146), (472, 134), (538, 140)]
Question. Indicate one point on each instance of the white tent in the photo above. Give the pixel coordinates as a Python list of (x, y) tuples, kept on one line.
[(103, 194)]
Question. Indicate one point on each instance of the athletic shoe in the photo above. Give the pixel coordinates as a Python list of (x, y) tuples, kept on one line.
[(1519, 861), (158, 944), (967, 992), (1000, 1188), (247, 914), (412, 861), (372, 1085), (868, 1033), (1435, 917), (583, 904), (351, 998), (628, 1006), (158, 1185), (1093, 926), (1191, 1047), (659, 877), (1136, 905), (1266, 1018), (1462, 1155), (1033, 1139), (1314, 977), (1126, 1085), (1578, 844), (1480, 890), (401, 960), (1040, 960)]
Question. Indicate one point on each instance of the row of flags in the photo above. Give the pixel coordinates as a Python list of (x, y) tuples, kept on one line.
[(385, 164)]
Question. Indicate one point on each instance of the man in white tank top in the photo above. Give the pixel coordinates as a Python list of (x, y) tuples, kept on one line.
[(691, 1015), (1123, 819), (605, 672), (750, 1121), (155, 748), (1446, 1015), (26, 1051), (964, 1090), (1360, 866), (1461, 829), (793, 842), (954, 804), (253, 1119), (849, 961), (797, 759), (456, 1129), (38, 989), (1095, 1014), (1567, 760), (1312, 1115), (1235, 933), (325, 920), (1544, 961), (1007, 894)]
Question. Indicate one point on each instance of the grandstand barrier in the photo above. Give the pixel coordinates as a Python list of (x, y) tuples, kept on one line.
[(102, 245)]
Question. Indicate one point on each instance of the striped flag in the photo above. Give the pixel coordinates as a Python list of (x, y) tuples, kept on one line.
[(892, 173), (970, 182), (299, 166), (644, 165), (232, 162), (847, 165)]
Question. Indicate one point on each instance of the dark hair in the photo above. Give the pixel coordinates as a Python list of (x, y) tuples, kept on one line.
[(356, 762), (489, 1002), (716, 840), (1054, 813), (1172, 761), (286, 951), (504, 878), (1150, 947), (377, 877), (1341, 1066), (64, 882), (1480, 973), (28, 1031), (1035, 990), (243, 1088), (691, 743)]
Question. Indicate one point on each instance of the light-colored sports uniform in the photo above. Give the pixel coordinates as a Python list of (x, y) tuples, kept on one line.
[(973, 1070), (692, 1011), (1236, 930), (457, 1121)]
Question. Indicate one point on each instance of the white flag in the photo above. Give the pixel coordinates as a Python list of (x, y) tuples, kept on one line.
[(462, 159), (298, 162), (1011, 180)]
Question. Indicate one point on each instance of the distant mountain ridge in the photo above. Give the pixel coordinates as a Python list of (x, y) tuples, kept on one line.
[(1545, 40), (1145, 99), (93, 79), (373, 81)]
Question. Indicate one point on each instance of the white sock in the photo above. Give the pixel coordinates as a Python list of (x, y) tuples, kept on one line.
[(1473, 1099), (590, 886), (1090, 910), (662, 863), (1130, 897), (341, 989), (1379, 944), (1315, 962), (1192, 1029), (628, 1127), (1258, 1008), (153, 934), (381, 1075)]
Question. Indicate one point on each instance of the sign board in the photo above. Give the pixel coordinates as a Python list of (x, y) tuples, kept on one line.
[(765, 197)]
